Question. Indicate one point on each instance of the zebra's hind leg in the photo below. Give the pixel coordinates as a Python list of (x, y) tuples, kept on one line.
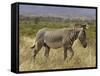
[(71, 50), (47, 49), (37, 48), (34, 54)]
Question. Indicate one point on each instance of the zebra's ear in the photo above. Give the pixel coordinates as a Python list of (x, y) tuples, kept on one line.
[(85, 26)]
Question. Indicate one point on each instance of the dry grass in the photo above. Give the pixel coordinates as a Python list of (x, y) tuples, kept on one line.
[(83, 57)]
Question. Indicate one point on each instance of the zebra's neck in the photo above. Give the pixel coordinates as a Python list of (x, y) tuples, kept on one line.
[(74, 35)]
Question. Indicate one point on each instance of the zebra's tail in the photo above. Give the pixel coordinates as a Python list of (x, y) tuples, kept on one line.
[(32, 46)]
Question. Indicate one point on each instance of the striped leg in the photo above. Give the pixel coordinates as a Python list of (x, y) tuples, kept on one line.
[(65, 53), (37, 48), (71, 50), (47, 50)]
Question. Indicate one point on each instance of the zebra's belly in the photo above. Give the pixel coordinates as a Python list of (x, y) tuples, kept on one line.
[(53, 39), (54, 45)]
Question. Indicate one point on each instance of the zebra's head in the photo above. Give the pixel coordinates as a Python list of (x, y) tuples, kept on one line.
[(84, 26), (82, 36)]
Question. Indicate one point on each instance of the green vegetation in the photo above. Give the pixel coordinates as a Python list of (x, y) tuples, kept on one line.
[(82, 58), (31, 28)]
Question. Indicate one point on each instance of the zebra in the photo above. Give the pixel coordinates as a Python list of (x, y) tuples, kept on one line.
[(56, 38)]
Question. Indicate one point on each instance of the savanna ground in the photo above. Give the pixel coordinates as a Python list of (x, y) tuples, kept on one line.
[(83, 57)]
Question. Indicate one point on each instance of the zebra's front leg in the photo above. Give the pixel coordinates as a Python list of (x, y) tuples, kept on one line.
[(65, 53), (71, 50), (47, 49)]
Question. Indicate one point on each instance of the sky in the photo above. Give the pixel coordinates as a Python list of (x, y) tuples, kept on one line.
[(52, 10)]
